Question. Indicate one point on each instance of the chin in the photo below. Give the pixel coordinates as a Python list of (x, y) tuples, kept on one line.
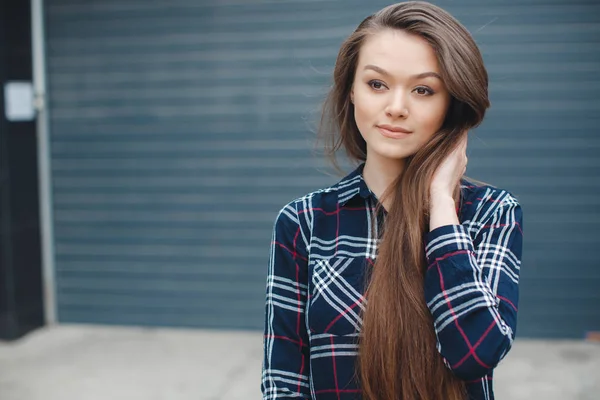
[(391, 153)]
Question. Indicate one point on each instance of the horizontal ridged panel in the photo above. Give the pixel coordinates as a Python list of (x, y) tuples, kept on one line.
[(180, 128)]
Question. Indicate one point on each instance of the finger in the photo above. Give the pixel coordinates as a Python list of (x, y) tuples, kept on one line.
[(461, 146)]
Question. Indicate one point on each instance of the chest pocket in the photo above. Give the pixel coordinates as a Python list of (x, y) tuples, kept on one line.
[(336, 295)]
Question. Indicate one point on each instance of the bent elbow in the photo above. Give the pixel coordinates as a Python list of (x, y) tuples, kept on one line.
[(471, 370), (478, 364)]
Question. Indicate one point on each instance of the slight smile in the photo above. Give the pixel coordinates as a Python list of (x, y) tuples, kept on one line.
[(393, 132)]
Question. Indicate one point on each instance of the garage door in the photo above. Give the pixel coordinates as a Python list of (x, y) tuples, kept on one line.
[(180, 128)]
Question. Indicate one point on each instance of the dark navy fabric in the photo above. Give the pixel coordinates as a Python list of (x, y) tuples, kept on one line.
[(322, 245)]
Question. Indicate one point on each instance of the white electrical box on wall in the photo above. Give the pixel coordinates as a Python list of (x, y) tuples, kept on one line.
[(18, 101)]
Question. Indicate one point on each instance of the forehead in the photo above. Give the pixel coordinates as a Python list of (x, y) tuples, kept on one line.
[(398, 52)]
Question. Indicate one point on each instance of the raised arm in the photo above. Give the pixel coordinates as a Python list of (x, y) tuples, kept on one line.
[(286, 363), (471, 287)]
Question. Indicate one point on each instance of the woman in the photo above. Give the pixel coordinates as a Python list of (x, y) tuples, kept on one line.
[(400, 281)]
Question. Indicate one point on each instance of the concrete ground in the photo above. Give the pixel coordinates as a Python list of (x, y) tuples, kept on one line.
[(83, 362)]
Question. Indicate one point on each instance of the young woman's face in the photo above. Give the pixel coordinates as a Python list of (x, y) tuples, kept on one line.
[(399, 98)]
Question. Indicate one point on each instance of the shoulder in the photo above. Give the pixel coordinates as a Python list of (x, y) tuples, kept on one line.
[(481, 201), (326, 199), (322, 202)]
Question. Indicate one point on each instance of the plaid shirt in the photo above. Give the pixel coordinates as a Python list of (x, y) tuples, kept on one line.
[(321, 246)]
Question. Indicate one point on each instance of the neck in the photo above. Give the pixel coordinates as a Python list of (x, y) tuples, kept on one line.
[(379, 173)]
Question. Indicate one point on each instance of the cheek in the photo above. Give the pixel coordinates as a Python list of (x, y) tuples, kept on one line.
[(431, 116), (363, 110), (366, 106)]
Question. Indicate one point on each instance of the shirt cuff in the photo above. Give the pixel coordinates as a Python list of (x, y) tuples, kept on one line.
[(445, 240)]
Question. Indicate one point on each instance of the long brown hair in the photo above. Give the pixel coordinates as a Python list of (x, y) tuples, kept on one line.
[(398, 358)]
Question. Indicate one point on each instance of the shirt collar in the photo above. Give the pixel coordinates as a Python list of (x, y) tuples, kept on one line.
[(353, 185)]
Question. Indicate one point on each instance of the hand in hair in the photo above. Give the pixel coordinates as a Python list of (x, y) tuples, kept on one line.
[(450, 171), (443, 185)]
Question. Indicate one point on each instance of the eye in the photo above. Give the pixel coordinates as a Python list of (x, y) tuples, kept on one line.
[(423, 91), (376, 85)]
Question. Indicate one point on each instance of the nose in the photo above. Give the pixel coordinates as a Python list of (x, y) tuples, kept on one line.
[(397, 106)]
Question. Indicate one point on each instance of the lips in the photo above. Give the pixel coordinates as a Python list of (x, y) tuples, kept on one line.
[(394, 132), (391, 128)]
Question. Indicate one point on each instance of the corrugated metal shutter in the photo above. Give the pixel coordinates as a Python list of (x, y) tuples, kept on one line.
[(180, 128)]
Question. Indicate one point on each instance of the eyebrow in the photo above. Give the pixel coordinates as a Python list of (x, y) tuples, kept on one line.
[(417, 76)]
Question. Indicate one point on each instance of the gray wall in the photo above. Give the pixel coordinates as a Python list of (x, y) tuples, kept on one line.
[(180, 128)]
